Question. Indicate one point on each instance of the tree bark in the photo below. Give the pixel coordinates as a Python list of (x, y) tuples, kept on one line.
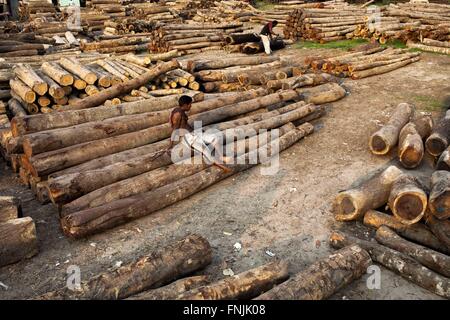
[(30, 78), (418, 232), (22, 90), (245, 285), (382, 141), (410, 145), (325, 93), (405, 266), (194, 66), (408, 200), (443, 162), (440, 194), (438, 141), (54, 71), (374, 192), (173, 290), (323, 278), (16, 108), (123, 88), (18, 239), (93, 220), (429, 258), (9, 208), (441, 229), (148, 272)]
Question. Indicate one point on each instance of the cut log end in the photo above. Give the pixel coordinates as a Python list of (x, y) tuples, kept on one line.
[(436, 145), (378, 145)]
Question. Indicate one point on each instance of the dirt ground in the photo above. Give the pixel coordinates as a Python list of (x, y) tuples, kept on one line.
[(287, 214)]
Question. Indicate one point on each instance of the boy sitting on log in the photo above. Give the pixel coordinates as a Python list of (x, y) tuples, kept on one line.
[(201, 142), (266, 35)]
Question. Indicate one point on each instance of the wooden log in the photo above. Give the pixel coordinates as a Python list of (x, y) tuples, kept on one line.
[(324, 277), (418, 232), (30, 78), (434, 260), (173, 290), (383, 69), (386, 138), (408, 200), (410, 146), (123, 88), (438, 141), (54, 71), (10, 208), (372, 193), (405, 266), (166, 56), (245, 285), (22, 90), (148, 272), (194, 66), (440, 228), (93, 220), (54, 89), (16, 108), (325, 93), (18, 238), (71, 64), (436, 43), (439, 202), (52, 161), (423, 47)]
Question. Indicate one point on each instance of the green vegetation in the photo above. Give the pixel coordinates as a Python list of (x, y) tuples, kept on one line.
[(428, 103), (343, 44), (395, 43), (264, 5)]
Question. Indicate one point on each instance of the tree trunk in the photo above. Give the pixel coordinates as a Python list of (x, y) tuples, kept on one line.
[(429, 258), (18, 239), (22, 90), (417, 232), (383, 69), (123, 88), (173, 290), (408, 200), (93, 220), (443, 162), (410, 145), (9, 208), (441, 229), (405, 266), (440, 194), (54, 89), (229, 62), (323, 278), (148, 272), (382, 141), (56, 160), (325, 93), (166, 56), (438, 141), (16, 108), (245, 285), (374, 192)]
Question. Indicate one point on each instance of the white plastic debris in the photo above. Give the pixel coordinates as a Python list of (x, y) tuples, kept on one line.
[(270, 253), (93, 244), (237, 246), (228, 272), (227, 233), (292, 189), (118, 264), (4, 286)]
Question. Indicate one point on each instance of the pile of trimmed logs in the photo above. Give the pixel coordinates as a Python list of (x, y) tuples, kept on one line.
[(192, 38), (32, 9), (17, 233), (225, 11), (369, 61), (431, 45), (125, 44), (85, 160), (162, 275), (110, 8), (282, 16)]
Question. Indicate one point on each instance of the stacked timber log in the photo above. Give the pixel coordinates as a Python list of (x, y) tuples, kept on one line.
[(70, 167), (110, 8), (367, 62), (192, 38), (225, 11), (133, 44), (17, 233), (32, 9), (431, 45)]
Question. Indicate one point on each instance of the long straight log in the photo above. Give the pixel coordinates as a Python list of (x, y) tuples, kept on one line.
[(18, 239), (123, 88), (410, 143), (440, 194), (93, 220), (194, 66), (54, 71), (418, 232), (429, 258), (405, 266), (382, 141), (408, 200), (148, 272), (16, 108), (22, 90), (372, 193), (30, 78), (56, 160), (439, 139), (323, 278), (173, 290), (441, 229), (245, 285), (383, 69)]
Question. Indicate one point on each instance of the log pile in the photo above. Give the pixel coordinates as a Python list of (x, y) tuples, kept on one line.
[(85, 160), (17, 233), (32, 9), (367, 62), (224, 11)]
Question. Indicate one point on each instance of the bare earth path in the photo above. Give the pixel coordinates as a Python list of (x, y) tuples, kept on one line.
[(286, 214)]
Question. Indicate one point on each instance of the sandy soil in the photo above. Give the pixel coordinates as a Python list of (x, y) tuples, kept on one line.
[(287, 214)]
